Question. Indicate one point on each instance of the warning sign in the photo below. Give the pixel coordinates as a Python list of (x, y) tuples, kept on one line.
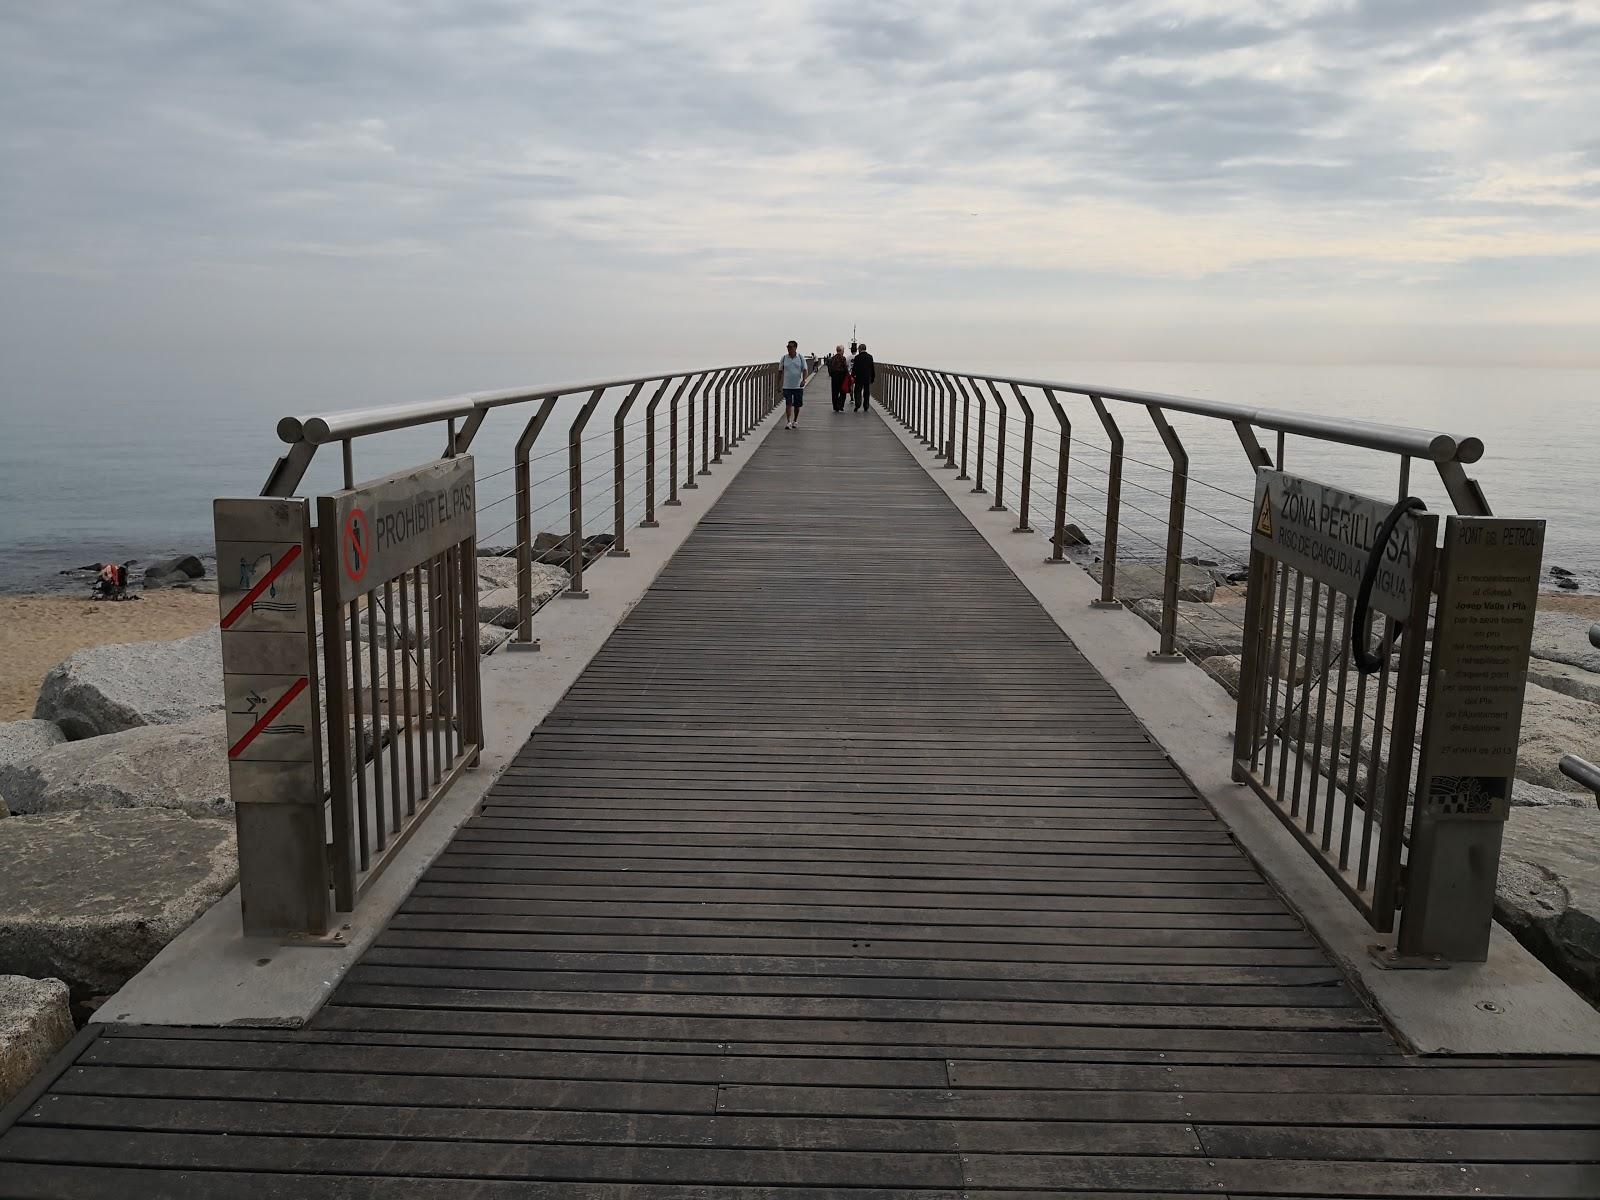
[(398, 522), (1328, 534)]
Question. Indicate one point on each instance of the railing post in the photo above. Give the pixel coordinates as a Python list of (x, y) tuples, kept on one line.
[(650, 521), (947, 393), (1175, 514), (524, 639), (936, 386), (619, 498), (1027, 462), (999, 449), (930, 389), (924, 402), (1058, 545), (688, 449), (706, 432), (1108, 571), (966, 423), (672, 445), (575, 492), (717, 426), (983, 410)]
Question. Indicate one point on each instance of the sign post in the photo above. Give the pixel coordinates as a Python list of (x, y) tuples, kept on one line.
[(270, 687), (1488, 590)]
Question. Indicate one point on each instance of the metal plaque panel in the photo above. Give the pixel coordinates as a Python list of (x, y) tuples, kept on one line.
[(1488, 591), (397, 522), (1327, 533)]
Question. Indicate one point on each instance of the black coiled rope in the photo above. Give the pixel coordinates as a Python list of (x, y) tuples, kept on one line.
[(1366, 661)]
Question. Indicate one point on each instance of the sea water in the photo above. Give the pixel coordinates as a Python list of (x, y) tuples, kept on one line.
[(102, 462)]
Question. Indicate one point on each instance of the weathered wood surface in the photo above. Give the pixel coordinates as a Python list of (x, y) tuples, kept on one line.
[(839, 872)]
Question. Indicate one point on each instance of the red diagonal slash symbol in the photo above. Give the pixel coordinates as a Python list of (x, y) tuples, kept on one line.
[(262, 585), (268, 717)]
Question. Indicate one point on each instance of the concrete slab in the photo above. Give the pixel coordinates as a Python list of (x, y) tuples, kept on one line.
[(1511, 1004), (213, 975)]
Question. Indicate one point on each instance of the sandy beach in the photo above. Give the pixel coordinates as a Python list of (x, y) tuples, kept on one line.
[(37, 632)]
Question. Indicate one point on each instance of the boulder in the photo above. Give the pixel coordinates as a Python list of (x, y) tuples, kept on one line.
[(1564, 638), (1548, 892), (1560, 572), (1071, 535), (1226, 668), (1143, 581), (23, 739), (90, 897), (1567, 585), (105, 689), (497, 572), (491, 638), (1203, 630), (186, 566), (1553, 724), (499, 605), (1532, 795), (1570, 681), (35, 1022), (183, 767)]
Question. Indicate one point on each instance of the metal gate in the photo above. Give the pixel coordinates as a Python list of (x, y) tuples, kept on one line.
[(1380, 699)]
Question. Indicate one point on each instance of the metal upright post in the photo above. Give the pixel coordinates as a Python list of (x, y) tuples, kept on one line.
[(924, 399), (948, 389), (999, 449), (619, 496), (1027, 462), (1108, 569), (672, 445), (718, 422), (1175, 514), (524, 485), (1058, 546), (688, 449), (650, 521), (983, 409), (966, 423), (706, 432), (575, 492)]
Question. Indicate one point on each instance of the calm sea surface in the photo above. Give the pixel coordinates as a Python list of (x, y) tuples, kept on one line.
[(124, 463)]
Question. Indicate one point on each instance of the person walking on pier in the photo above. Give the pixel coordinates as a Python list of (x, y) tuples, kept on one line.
[(864, 369), (838, 368), (795, 378)]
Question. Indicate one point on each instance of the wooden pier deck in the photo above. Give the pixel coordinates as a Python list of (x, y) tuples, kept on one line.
[(838, 873)]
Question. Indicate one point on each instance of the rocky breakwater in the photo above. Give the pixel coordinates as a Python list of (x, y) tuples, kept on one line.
[(116, 826), (1549, 886)]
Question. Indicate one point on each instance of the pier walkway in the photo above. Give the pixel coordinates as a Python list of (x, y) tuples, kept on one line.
[(839, 872)]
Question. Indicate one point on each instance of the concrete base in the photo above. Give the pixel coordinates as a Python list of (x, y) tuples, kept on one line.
[(213, 975), (1510, 1005)]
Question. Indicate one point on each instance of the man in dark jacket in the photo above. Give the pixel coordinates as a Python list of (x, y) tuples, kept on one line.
[(863, 369)]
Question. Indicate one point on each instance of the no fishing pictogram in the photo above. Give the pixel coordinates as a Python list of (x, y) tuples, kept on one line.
[(355, 545)]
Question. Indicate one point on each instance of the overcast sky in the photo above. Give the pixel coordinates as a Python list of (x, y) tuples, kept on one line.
[(1148, 179)]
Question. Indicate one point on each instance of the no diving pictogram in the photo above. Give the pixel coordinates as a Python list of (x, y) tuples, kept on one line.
[(355, 545)]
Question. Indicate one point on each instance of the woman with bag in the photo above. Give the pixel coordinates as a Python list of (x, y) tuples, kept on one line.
[(838, 372)]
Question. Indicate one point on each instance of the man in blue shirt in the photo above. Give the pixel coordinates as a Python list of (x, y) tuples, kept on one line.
[(795, 378)]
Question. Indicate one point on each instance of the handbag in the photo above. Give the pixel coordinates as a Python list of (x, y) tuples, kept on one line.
[(848, 384)]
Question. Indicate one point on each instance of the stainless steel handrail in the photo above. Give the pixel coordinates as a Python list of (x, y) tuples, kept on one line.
[(1433, 445)]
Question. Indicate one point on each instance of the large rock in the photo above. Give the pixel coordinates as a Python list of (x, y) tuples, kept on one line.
[(1553, 724), (1564, 638), (1560, 677), (171, 570), (183, 767), (90, 897), (1142, 581), (499, 605), (23, 739), (105, 689), (1203, 630), (35, 1022), (1227, 668), (1532, 795), (1549, 890), (497, 572)]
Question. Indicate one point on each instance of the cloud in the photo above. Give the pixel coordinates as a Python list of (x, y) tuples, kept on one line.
[(500, 154)]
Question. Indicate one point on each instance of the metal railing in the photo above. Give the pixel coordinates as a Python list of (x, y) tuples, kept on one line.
[(1334, 748), (329, 789)]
